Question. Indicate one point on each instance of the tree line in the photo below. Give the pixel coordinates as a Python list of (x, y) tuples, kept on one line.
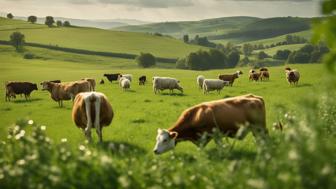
[(49, 21)]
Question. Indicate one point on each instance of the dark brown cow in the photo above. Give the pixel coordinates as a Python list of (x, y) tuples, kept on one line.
[(242, 113), (292, 76), (13, 88), (254, 76), (142, 80), (92, 110), (264, 75), (230, 78), (112, 77)]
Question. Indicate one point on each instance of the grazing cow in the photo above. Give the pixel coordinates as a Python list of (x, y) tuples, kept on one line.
[(92, 110), (199, 81), (292, 76), (264, 75), (230, 78), (65, 91), (102, 81), (263, 69), (13, 88), (254, 76), (128, 76), (162, 83), (112, 77), (142, 80), (242, 113), (92, 83), (125, 83), (214, 84)]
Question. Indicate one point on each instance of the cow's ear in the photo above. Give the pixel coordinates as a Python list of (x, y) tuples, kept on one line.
[(173, 135)]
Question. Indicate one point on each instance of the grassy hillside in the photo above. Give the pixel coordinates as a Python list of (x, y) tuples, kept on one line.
[(272, 51), (306, 34), (202, 27), (266, 28), (98, 39)]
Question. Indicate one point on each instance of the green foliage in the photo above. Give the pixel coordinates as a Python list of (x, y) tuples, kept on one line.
[(282, 54), (10, 16), (59, 23), (145, 60), (28, 55), (324, 30), (49, 21), (66, 24), (186, 38), (233, 59), (262, 55), (202, 41), (17, 39), (181, 63), (247, 49), (308, 54), (32, 19)]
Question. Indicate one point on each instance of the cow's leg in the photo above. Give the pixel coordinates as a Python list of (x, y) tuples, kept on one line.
[(88, 118), (97, 119)]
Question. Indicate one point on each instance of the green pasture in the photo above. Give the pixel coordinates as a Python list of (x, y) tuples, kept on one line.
[(138, 112), (97, 39)]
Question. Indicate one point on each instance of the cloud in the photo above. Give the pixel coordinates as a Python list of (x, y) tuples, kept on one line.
[(272, 0), (139, 3)]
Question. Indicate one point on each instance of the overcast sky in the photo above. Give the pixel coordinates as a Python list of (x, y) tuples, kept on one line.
[(160, 10)]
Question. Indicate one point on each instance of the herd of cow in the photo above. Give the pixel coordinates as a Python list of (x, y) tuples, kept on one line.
[(231, 115)]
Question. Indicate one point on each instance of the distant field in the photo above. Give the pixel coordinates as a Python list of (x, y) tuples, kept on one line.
[(306, 34), (272, 51), (98, 39)]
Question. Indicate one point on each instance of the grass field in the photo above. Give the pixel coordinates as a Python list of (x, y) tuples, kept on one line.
[(148, 106), (272, 51), (97, 39), (125, 159)]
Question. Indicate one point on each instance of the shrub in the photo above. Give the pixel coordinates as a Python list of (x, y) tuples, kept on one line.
[(66, 24), (262, 55), (233, 59), (28, 55), (17, 40), (282, 54), (145, 60), (181, 63)]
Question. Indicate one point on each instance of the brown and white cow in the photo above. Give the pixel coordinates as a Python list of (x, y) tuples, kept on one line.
[(65, 91), (228, 115), (92, 110), (92, 83)]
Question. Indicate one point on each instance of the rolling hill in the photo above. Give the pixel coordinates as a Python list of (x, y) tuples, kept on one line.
[(97, 39), (206, 27), (228, 29)]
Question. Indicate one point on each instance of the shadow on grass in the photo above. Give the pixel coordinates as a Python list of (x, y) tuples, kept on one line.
[(121, 148), (172, 94), (22, 101), (130, 91), (304, 85), (216, 154)]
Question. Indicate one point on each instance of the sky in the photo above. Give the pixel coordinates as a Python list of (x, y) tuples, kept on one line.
[(160, 10)]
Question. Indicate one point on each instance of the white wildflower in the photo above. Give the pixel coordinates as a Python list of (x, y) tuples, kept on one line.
[(20, 135), (21, 162), (81, 147), (256, 183), (63, 140), (43, 127), (30, 122)]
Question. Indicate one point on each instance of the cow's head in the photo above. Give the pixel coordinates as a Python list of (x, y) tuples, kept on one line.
[(165, 140), (35, 86), (46, 85)]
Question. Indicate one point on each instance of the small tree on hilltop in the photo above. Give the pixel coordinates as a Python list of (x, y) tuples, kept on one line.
[(32, 19), (17, 40), (49, 21), (66, 24), (145, 60), (262, 55), (10, 16), (59, 23), (186, 38)]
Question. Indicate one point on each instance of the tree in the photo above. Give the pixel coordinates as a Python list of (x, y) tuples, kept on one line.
[(301, 57), (217, 59), (262, 55), (233, 59), (282, 54), (59, 23), (10, 16), (32, 19), (66, 24), (17, 40), (186, 38), (145, 60), (49, 21), (247, 49), (181, 63)]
